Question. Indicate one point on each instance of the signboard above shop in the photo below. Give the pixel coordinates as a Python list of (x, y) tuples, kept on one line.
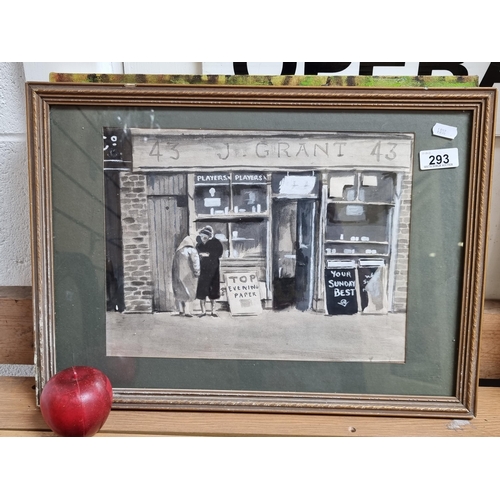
[(171, 149)]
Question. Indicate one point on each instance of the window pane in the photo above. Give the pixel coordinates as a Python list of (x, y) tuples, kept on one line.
[(249, 199), (211, 193), (248, 240), (377, 187)]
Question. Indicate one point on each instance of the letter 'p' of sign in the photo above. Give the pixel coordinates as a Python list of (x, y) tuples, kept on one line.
[(243, 293)]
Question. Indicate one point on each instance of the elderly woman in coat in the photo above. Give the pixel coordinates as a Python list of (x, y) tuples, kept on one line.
[(185, 273)]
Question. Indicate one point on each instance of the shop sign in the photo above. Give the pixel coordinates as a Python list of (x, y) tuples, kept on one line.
[(212, 178), (250, 178), (183, 149), (341, 293), (243, 293)]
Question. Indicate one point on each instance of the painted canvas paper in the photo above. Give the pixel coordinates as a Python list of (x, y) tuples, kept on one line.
[(276, 245)]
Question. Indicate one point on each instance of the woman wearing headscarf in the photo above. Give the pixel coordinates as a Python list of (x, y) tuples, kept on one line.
[(185, 273), (210, 250)]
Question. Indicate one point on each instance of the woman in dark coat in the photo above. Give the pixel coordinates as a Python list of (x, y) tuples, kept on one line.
[(210, 251)]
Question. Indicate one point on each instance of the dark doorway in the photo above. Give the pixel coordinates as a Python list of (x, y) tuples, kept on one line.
[(305, 253), (294, 253), (115, 300)]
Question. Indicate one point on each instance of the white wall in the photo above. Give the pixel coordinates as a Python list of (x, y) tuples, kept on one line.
[(39, 71), (15, 253), (15, 256), (15, 268)]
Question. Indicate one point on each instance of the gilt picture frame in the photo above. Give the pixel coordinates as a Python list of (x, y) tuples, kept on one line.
[(269, 249)]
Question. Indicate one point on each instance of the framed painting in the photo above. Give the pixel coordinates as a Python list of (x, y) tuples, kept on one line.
[(263, 249)]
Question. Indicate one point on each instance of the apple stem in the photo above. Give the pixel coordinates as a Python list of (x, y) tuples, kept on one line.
[(84, 423)]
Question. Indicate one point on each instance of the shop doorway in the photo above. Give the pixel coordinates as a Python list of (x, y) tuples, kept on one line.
[(168, 225), (294, 253)]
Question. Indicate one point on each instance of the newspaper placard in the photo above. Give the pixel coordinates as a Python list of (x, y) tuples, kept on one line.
[(243, 293)]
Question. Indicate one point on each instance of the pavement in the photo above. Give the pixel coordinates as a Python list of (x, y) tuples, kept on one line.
[(271, 335)]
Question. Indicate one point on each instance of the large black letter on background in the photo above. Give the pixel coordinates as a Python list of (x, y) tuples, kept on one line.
[(315, 68), (456, 68), (241, 68), (491, 76), (366, 68)]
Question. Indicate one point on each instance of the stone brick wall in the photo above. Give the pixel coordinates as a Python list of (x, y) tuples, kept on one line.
[(138, 281), (400, 260)]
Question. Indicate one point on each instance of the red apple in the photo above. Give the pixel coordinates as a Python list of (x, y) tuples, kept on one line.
[(76, 401)]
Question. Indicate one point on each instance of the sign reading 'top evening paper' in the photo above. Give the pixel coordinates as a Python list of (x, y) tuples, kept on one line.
[(243, 293)]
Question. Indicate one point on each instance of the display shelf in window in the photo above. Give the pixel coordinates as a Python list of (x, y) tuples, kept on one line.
[(355, 251), (364, 203), (357, 240)]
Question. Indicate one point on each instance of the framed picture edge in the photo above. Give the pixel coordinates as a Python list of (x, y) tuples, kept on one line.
[(480, 102)]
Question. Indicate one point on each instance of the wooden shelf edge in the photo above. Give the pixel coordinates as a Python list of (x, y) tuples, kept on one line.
[(19, 416)]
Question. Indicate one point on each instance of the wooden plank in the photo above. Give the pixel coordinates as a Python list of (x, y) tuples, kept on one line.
[(487, 423), (20, 416), (16, 331), (16, 326), (18, 410), (489, 352), (49, 433), (4, 433)]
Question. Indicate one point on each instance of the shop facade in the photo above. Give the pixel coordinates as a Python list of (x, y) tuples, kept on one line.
[(321, 219)]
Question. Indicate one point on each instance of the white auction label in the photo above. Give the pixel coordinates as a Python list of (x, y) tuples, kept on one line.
[(446, 131), (439, 158)]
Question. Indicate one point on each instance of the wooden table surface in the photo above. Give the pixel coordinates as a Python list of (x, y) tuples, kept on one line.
[(19, 416)]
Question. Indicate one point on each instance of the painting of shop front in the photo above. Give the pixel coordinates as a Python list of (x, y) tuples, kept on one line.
[(266, 245)]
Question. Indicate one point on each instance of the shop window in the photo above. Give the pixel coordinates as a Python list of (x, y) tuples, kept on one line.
[(240, 240), (366, 187), (377, 187), (224, 193), (248, 240), (235, 205), (249, 191), (343, 186), (358, 213), (212, 194), (363, 223)]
